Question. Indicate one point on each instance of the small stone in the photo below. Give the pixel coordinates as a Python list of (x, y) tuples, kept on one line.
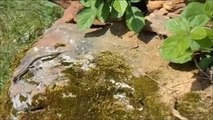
[(70, 12), (172, 6), (153, 5), (155, 22)]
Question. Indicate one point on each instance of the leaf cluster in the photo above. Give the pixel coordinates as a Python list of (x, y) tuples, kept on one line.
[(192, 33), (105, 10)]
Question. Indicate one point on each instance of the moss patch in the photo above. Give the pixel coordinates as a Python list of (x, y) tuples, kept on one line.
[(22, 98), (90, 95), (145, 87), (5, 103), (193, 107), (146, 91)]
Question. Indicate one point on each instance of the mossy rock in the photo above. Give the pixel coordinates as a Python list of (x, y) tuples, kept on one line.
[(97, 94)]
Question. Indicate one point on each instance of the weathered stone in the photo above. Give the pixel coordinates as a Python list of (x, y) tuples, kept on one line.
[(169, 5), (155, 22), (161, 12), (172, 6), (70, 12), (154, 5)]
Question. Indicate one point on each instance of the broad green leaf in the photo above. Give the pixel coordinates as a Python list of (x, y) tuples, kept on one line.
[(199, 20), (175, 49), (135, 1), (88, 3), (114, 14), (86, 18), (209, 32), (134, 19), (193, 9), (178, 26), (206, 62), (120, 6), (103, 12), (209, 7), (198, 33), (194, 46), (206, 43)]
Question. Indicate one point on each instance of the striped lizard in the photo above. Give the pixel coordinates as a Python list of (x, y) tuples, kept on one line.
[(29, 65)]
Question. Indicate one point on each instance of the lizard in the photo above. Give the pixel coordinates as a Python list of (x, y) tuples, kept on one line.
[(29, 65)]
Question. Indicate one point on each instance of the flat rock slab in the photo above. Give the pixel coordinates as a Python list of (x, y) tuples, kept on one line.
[(141, 52)]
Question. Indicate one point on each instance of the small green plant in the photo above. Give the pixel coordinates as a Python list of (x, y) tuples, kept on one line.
[(192, 34), (105, 10)]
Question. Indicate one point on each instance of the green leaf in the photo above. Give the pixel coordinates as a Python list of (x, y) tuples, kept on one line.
[(209, 7), (114, 14), (209, 32), (205, 62), (175, 49), (88, 3), (206, 43), (193, 9), (194, 46), (135, 1), (120, 6), (103, 12), (199, 20), (86, 18), (134, 19), (178, 26), (198, 33)]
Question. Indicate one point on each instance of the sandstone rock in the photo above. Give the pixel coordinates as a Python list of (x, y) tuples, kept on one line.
[(70, 12), (169, 5), (174, 5), (153, 5), (161, 12), (155, 22)]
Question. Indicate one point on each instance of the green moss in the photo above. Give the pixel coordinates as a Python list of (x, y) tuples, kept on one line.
[(22, 98), (57, 45), (90, 95), (5, 103), (112, 66), (146, 92), (28, 75), (193, 107), (145, 87), (154, 109), (65, 63), (33, 82)]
